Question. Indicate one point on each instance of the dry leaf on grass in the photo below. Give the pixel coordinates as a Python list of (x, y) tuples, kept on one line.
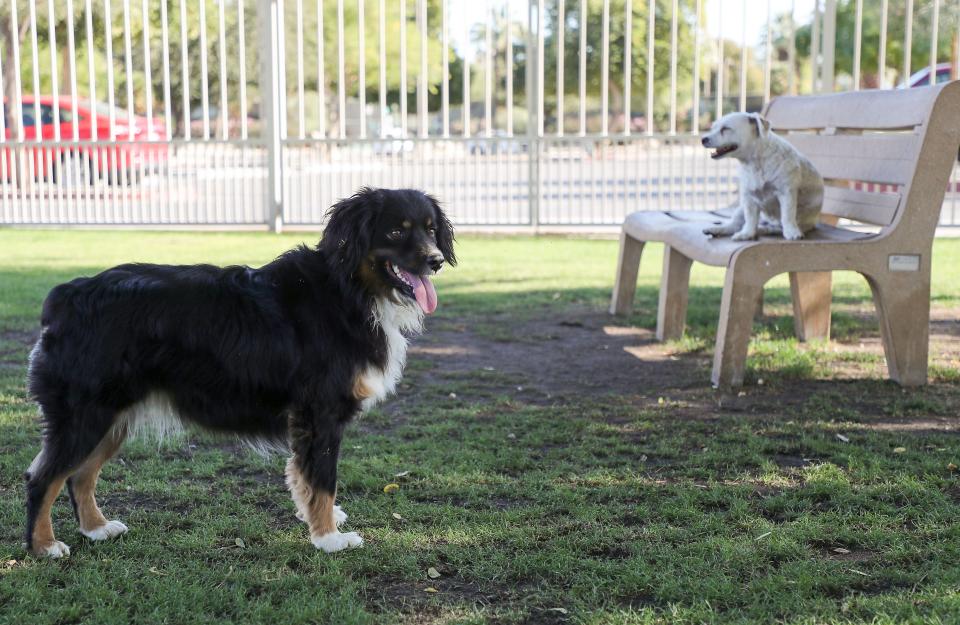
[(433, 573), (841, 550), (842, 438), (397, 516), (389, 488), (560, 610), (430, 589), (401, 474), (239, 543), (899, 450)]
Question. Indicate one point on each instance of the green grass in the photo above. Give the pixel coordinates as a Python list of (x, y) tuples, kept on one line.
[(683, 507)]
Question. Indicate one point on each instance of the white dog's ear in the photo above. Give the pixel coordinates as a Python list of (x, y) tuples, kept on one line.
[(763, 126)]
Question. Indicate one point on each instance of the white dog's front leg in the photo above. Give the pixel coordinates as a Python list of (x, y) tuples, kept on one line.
[(729, 227), (751, 219), (788, 214)]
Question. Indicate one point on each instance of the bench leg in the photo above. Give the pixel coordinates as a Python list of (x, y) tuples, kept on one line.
[(811, 293), (740, 293), (628, 265), (903, 308), (674, 287)]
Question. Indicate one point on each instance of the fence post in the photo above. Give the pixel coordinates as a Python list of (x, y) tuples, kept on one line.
[(533, 95), (271, 106)]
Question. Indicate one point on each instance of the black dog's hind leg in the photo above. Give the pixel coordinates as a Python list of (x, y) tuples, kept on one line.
[(64, 453), (312, 479)]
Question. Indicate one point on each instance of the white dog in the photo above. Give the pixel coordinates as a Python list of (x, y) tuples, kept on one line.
[(775, 179)]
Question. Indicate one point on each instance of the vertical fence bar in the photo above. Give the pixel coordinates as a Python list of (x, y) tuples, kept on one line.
[(301, 115), (54, 77), (583, 67), (165, 42), (37, 133), (108, 28), (52, 171), (147, 70), (91, 73), (445, 51), (6, 215), (204, 87), (362, 66), (74, 129), (16, 78), (651, 61), (695, 108), (403, 68), (268, 24), (561, 34), (674, 18), (466, 98), (422, 102), (815, 49), (541, 36), (321, 71), (743, 56), (383, 68), (488, 72), (792, 51), (829, 44), (720, 61), (934, 33), (185, 70), (627, 65), (341, 75), (128, 65), (857, 42), (72, 51), (242, 60), (767, 56), (907, 41), (882, 54), (605, 69), (222, 51), (532, 87)]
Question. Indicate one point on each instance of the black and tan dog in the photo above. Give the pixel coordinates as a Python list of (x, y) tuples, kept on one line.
[(284, 355)]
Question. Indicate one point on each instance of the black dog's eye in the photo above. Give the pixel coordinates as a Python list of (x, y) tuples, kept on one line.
[(395, 235), (432, 231)]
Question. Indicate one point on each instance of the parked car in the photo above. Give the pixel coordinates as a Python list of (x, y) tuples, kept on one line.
[(921, 78), (138, 142)]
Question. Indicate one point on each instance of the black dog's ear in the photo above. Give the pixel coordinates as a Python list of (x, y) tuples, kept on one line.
[(350, 223), (445, 235)]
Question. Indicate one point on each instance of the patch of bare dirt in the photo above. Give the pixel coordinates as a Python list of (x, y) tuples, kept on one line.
[(558, 356)]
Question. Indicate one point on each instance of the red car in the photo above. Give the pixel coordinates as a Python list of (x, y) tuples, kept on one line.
[(139, 143)]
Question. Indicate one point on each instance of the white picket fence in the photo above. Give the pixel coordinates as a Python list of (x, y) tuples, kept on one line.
[(263, 113)]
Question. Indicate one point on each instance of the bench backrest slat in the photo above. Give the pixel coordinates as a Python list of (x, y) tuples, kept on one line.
[(880, 158), (870, 109), (877, 209)]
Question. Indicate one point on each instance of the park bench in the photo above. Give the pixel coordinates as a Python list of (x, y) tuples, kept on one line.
[(904, 142)]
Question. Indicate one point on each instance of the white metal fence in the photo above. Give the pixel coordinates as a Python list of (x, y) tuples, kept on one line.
[(263, 113)]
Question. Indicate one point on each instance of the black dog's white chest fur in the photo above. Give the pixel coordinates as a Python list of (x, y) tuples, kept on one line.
[(397, 321)]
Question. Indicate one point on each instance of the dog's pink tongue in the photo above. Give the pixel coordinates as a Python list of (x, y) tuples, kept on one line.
[(424, 292)]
